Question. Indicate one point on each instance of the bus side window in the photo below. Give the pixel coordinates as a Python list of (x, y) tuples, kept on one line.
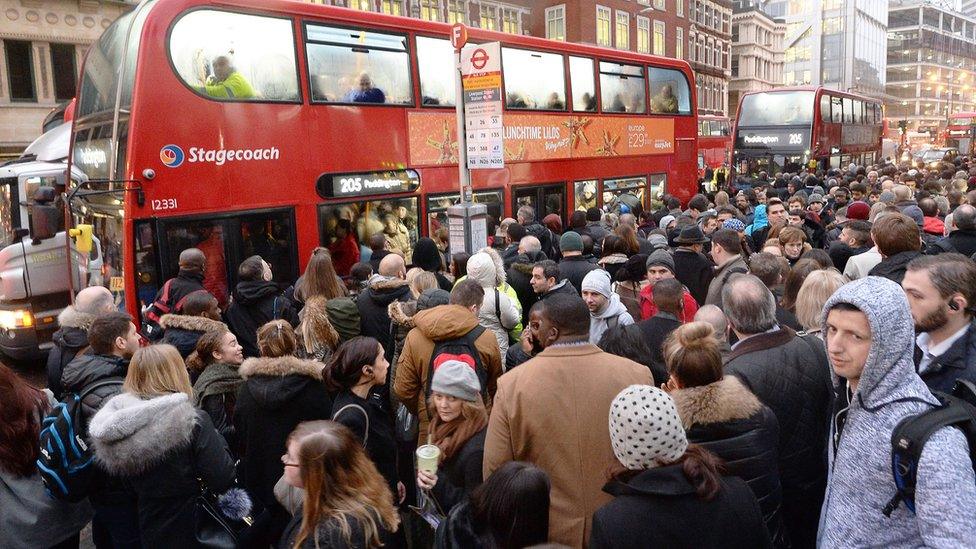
[(584, 195), (437, 206), (670, 92), (825, 108), (397, 219), (436, 84), (533, 80), (622, 88), (215, 54), (837, 110), (583, 83), (848, 110), (357, 66)]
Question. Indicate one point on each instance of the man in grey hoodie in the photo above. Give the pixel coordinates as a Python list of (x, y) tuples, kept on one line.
[(870, 339), (606, 310)]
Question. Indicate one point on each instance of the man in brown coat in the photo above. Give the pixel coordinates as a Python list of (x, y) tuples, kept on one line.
[(552, 411), (442, 323)]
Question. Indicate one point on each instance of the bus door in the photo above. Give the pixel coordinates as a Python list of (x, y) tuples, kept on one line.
[(545, 199), (225, 239)]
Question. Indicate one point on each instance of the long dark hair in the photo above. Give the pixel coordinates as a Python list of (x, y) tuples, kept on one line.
[(21, 408), (512, 506), (345, 368), (702, 468), (320, 278)]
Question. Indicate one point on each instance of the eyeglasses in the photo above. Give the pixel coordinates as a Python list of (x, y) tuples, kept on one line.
[(284, 461)]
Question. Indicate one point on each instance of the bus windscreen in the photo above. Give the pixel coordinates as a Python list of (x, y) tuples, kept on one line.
[(777, 109)]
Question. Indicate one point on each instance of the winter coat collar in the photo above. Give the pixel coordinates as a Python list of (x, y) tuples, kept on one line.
[(613, 259), (73, 318), (216, 378), (719, 402), (131, 435), (252, 291), (280, 367), (660, 481), (762, 342), (191, 323), (583, 349), (401, 313), (381, 283), (190, 275)]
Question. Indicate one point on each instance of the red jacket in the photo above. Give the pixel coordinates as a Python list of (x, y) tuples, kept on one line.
[(649, 309), (345, 254), (934, 225)]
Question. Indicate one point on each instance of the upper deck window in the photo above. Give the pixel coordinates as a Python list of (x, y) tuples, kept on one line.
[(533, 80), (584, 85), (670, 93), (216, 55), (436, 83), (622, 88), (358, 66), (777, 109)]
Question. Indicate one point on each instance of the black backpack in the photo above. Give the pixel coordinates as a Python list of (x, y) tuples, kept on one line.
[(910, 435), (463, 349), (66, 461)]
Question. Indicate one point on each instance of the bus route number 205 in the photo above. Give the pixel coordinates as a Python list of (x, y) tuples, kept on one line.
[(163, 204)]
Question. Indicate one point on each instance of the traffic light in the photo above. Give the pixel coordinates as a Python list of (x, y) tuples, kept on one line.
[(903, 125), (83, 237)]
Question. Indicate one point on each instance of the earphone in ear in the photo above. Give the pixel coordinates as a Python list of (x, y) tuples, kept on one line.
[(953, 304)]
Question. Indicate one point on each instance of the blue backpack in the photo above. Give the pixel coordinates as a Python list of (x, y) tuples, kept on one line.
[(66, 461)]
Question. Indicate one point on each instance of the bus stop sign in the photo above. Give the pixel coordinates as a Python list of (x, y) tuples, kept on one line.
[(459, 36)]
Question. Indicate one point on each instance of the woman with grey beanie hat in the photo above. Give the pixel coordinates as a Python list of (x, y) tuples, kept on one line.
[(669, 493), (458, 425)]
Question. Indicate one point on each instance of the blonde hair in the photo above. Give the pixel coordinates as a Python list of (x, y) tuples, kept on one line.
[(341, 482), (451, 436), (815, 291), (423, 281), (157, 370)]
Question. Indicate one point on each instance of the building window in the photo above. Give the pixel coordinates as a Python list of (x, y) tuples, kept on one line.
[(430, 10), (659, 38), (643, 35), (361, 5), (511, 21), (679, 43), (659, 4), (489, 17), (556, 22), (20, 70), (63, 67), (603, 29), (679, 8), (623, 30), (392, 7), (457, 11)]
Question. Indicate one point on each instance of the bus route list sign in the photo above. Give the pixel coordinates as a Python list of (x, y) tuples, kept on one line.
[(481, 80)]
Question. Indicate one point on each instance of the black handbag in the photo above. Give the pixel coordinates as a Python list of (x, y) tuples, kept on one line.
[(212, 529)]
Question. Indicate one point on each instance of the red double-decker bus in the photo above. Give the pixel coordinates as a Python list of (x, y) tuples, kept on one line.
[(254, 126), (714, 142), (960, 132), (784, 129)]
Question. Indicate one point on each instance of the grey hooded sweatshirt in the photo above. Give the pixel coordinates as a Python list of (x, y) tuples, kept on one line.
[(600, 322), (860, 481)]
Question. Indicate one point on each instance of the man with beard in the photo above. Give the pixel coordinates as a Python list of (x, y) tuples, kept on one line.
[(942, 294)]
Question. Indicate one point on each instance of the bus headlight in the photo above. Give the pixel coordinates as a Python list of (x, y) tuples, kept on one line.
[(18, 318)]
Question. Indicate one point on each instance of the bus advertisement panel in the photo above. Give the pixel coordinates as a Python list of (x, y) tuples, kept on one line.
[(339, 124)]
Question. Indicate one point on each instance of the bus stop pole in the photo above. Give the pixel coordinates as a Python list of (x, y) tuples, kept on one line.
[(464, 175)]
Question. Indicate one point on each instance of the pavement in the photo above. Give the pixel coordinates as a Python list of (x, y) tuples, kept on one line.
[(34, 373)]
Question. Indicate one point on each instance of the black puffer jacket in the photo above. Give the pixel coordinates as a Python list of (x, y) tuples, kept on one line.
[(694, 270), (87, 369), (374, 303), (893, 268), (69, 340), (728, 420), (161, 446), (574, 269), (461, 474), (254, 304), (277, 395), (183, 331), (792, 377), (959, 362)]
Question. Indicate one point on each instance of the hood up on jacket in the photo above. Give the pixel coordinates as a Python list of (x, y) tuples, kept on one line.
[(598, 321), (252, 291), (132, 435), (427, 256), (445, 322), (489, 275), (889, 373), (274, 382), (759, 220), (191, 323)]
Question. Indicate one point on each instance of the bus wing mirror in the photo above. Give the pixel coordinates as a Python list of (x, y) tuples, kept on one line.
[(20, 234), (45, 221), (83, 238)]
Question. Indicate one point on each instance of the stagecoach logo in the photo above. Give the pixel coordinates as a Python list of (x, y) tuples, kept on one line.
[(172, 156), (763, 139)]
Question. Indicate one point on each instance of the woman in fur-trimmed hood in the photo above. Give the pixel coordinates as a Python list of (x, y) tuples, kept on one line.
[(722, 415), (500, 310), (279, 392), (152, 436), (200, 314)]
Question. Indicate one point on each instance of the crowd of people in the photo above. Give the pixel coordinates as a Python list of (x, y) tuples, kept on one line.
[(723, 374)]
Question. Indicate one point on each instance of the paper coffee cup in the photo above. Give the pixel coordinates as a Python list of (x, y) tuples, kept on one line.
[(427, 457)]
